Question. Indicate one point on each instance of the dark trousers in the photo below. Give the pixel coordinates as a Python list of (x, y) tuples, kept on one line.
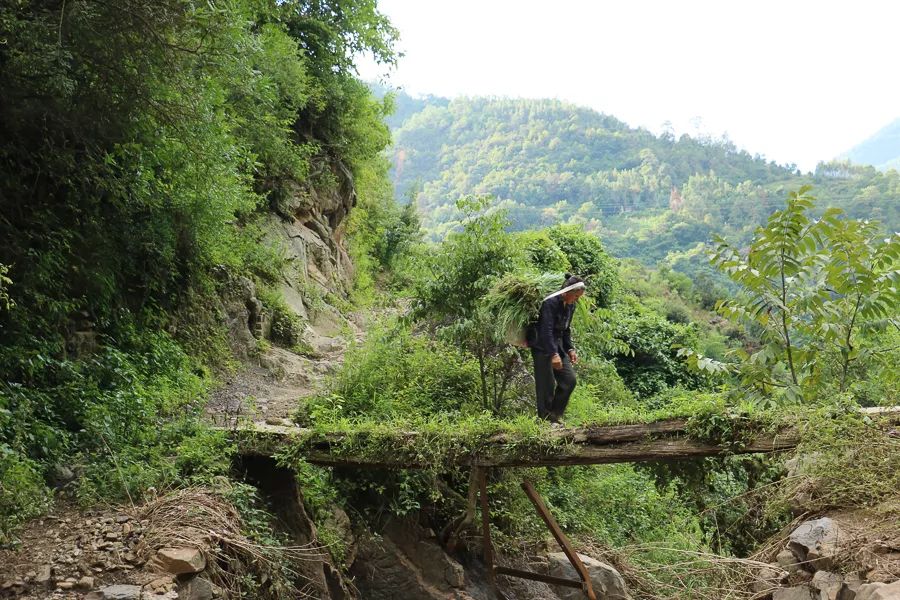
[(552, 388)]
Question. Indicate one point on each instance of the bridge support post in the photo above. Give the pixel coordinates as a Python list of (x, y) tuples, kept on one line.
[(493, 570)]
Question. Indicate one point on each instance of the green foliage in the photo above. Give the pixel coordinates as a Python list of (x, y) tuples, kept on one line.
[(542, 253), (5, 282), (589, 260), (22, 492), (382, 233), (287, 326), (651, 363), (814, 290), (468, 263), (459, 274), (844, 460), (609, 505), (655, 198), (733, 427), (440, 438), (514, 302), (600, 394), (396, 373), (140, 145), (730, 495), (537, 153)]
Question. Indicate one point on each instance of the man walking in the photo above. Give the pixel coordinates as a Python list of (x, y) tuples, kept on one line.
[(550, 340)]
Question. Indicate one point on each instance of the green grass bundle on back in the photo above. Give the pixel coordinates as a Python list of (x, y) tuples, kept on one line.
[(515, 301)]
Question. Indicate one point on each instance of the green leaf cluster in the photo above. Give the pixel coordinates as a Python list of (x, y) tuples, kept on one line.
[(815, 291)]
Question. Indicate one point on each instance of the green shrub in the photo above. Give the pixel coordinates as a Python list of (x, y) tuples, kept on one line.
[(541, 252), (651, 364), (398, 373), (23, 494), (589, 260), (843, 461), (287, 326), (614, 505), (600, 391)]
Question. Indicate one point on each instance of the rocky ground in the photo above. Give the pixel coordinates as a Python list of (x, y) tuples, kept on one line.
[(104, 553), (270, 383), (848, 555), (100, 554)]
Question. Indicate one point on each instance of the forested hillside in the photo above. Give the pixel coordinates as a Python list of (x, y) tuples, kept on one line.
[(651, 197)]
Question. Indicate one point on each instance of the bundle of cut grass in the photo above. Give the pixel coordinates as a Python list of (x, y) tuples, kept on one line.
[(515, 301)]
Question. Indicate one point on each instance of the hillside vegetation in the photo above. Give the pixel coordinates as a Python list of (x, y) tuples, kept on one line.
[(650, 197), (786, 351), (142, 147)]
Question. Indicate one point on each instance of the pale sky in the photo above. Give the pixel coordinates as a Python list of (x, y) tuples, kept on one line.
[(795, 81)]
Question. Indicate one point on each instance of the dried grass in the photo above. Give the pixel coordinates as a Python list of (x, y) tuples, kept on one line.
[(202, 519), (692, 574)]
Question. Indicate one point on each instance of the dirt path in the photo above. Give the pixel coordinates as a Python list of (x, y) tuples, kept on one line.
[(270, 387)]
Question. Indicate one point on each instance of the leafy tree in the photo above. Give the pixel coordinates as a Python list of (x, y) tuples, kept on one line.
[(400, 233), (652, 198), (588, 259), (141, 145), (5, 281), (814, 290), (542, 253), (460, 273), (649, 362)]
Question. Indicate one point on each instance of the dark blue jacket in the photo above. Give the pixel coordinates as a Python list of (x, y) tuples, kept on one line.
[(551, 334)]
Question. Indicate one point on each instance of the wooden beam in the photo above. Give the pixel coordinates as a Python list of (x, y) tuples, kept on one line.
[(560, 538), (642, 442)]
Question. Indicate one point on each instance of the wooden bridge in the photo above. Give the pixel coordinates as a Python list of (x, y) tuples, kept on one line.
[(589, 445), (642, 442)]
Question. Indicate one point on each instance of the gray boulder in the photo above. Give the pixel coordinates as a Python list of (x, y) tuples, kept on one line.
[(606, 580), (800, 592), (828, 584), (767, 580), (816, 542), (196, 588), (879, 591), (787, 561), (849, 588), (117, 592)]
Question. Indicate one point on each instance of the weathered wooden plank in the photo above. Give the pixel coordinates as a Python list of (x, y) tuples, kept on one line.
[(642, 442)]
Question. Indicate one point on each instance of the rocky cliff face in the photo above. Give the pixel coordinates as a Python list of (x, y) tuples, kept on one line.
[(308, 224)]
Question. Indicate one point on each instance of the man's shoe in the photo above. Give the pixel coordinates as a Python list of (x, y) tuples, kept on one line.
[(557, 420)]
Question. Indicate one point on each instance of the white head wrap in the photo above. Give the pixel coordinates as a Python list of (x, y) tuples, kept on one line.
[(575, 286)]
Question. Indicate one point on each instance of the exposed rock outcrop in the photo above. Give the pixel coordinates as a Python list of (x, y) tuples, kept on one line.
[(607, 582), (243, 314), (405, 562), (879, 591), (308, 224), (833, 559), (815, 543)]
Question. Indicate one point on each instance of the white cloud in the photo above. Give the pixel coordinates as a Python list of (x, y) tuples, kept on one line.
[(796, 81)]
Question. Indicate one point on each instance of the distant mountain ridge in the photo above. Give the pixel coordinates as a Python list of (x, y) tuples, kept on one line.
[(881, 150), (657, 198)]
